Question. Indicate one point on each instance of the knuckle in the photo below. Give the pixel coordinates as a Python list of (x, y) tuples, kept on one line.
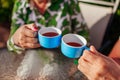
[(80, 60), (22, 41), (22, 45), (35, 41), (78, 67), (23, 30), (32, 45), (102, 64), (86, 54), (101, 60), (103, 67), (98, 75), (31, 33)]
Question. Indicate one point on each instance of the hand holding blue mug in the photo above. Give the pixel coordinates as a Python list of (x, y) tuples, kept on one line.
[(73, 45)]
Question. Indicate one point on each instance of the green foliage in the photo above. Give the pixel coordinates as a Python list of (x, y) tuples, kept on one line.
[(109, 0), (6, 10), (118, 11), (6, 7)]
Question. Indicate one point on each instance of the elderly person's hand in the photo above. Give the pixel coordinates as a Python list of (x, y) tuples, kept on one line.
[(97, 66), (25, 36)]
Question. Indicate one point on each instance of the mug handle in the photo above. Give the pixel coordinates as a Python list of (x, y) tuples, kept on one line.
[(76, 60), (86, 48)]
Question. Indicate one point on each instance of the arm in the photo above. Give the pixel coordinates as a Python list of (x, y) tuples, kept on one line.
[(22, 34), (97, 66), (115, 53), (14, 27)]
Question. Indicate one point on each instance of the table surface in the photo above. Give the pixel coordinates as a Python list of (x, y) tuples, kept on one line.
[(53, 64)]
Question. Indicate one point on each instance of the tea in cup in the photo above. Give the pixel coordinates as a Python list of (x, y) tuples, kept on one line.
[(49, 37), (73, 45)]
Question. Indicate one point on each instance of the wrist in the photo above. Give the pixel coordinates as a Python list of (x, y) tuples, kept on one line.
[(15, 48), (117, 60), (112, 76), (14, 41)]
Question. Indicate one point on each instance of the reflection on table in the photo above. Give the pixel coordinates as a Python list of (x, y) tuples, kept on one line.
[(53, 65)]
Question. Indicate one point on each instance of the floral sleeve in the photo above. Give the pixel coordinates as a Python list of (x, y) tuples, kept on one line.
[(16, 22), (78, 24)]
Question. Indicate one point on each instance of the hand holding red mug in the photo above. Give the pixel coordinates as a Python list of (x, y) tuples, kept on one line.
[(97, 66), (25, 36)]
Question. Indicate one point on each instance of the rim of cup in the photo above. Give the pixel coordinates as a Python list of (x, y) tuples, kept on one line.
[(83, 42), (49, 29)]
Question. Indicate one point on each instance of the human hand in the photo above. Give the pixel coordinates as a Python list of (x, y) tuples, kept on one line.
[(97, 66), (25, 36)]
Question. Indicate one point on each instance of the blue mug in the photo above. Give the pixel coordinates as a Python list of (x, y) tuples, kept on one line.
[(73, 45), (49, 37)]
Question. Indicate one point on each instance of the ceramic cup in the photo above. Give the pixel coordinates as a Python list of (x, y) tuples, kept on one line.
[(49, 37), (73, 45)]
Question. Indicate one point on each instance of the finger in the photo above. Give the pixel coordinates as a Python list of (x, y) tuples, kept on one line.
[(21, 40), (84, 65), (80, 61), (29, 33), (32, 26), (31, 40), (35, 27), (89, 56), (83, 61), (31, 45), (94, 51)]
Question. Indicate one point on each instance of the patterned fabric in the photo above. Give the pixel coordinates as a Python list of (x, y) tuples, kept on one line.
[(63, 14)]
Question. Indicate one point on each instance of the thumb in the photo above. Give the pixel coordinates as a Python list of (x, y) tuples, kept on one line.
[(93, 50), (32, 26)]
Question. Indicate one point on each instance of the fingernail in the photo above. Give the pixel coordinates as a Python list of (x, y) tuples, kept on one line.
[(35, 28), (92, 52)]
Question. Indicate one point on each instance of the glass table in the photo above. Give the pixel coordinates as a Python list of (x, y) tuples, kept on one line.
[(51, 64)]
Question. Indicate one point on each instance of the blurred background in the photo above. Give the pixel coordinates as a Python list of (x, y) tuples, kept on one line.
[(6, 7)]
